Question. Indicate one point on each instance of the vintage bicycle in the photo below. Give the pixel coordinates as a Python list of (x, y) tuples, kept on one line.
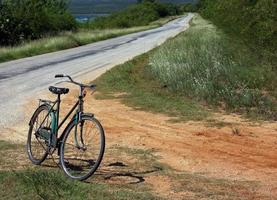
[(81, 144)]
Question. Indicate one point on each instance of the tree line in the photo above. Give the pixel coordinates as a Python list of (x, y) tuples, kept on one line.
[(22, 20)]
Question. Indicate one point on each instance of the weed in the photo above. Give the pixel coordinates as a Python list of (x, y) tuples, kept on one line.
[(142, 91), (205, 65)]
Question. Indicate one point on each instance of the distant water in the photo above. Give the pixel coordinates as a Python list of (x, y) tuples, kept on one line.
[(88, 17)]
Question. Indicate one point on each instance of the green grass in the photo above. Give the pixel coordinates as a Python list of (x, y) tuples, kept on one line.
[(9, 153), (64, 41), (208, 66), (141, 91), (52, 184), (200, 66), (49, 182), (117, 179), (253, 22)]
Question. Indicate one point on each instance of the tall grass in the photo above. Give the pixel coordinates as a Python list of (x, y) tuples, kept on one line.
[(64, 41), (142, 91), (206, 65), (254, 22)]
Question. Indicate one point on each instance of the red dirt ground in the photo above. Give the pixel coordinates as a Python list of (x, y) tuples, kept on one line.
[(240, 150)]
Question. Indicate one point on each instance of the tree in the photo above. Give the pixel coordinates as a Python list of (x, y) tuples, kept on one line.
[(146, 1), (32, 19)]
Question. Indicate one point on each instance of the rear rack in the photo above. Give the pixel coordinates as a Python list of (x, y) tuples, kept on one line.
[(42, 101)]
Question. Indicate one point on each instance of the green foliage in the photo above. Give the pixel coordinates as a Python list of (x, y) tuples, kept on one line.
[(190, 7), (135, 15), (66, 40), (52, 184), (254, 21), (32, 19), (207, 65), (142, 91)]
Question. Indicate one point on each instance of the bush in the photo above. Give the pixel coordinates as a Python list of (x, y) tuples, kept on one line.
[(189, 7), (206, 65), (32, 19), (254, 21), (135, 15)]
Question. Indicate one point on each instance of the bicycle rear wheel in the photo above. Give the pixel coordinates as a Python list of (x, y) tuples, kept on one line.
[(36, 145), (82, 148)]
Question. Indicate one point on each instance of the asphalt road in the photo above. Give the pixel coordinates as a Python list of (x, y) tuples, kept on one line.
[(24, 79)]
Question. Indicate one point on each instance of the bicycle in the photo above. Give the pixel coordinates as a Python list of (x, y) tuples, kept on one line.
[(80, 149)]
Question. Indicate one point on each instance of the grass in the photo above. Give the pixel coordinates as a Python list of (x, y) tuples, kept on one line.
[(210, 67), (253, 22), (52, 184), (4, 145), (68, 40), (122, 176), (201, 66), (141, 91), (9, 152), (49, 182), (214, 188), (63, 41)]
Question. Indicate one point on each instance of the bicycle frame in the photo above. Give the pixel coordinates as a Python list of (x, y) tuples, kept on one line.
[(76, 117)]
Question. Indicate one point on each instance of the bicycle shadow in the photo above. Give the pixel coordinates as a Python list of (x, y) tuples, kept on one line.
[(114, 172)]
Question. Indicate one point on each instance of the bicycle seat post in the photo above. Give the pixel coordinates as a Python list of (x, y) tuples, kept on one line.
[(81, 101), (58, 108)]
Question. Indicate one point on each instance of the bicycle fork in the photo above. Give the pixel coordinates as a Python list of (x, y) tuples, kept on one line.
[(79, 141)]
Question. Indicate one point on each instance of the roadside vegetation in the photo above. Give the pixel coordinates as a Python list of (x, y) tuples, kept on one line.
[(212, 68), (23, 20), (135, 15), (252, 22), (63, 41), (52, 184), (201, 65), (138, 88), (47, 26)]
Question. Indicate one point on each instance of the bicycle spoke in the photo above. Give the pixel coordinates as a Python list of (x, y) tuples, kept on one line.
[(38, 147), (81, 159)]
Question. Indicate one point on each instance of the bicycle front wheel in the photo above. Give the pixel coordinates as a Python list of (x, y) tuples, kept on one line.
[(82, 148)]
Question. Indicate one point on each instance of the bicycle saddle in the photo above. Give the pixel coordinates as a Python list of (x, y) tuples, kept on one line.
[(56, 90)]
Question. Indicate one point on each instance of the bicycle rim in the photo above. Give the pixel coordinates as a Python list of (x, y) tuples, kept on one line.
[(36, 146)]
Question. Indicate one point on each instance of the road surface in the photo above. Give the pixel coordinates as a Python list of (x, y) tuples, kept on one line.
[(25, 78)]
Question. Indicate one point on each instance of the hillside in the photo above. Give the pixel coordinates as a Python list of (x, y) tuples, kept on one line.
[(96, 6), (81, 7)]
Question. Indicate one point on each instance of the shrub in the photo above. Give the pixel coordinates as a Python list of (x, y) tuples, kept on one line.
[(206, 65), (135, 15), (254, 21), (32, 19), (189, 7)]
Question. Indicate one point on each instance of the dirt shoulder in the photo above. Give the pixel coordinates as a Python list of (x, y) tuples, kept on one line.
[(236, 150)]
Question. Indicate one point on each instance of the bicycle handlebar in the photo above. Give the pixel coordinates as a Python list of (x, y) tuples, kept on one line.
[(92, 86), (59, 75)]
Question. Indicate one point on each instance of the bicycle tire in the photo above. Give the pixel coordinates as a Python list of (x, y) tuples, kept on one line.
[(65, 159), (44, 153)]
